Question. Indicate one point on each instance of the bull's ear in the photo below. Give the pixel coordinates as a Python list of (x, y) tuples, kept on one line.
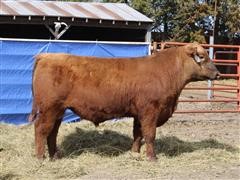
[(191, 49), (197, 58)]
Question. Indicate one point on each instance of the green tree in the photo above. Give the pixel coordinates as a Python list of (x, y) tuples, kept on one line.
[(192, 20), (162, 12), (227, 25)]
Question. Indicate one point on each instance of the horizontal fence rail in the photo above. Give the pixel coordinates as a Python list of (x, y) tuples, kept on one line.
[(220, 92)]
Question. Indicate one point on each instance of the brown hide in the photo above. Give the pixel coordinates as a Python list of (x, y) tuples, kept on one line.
[(98, 89)]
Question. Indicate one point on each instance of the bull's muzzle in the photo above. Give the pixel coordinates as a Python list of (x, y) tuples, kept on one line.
[(216, 75)]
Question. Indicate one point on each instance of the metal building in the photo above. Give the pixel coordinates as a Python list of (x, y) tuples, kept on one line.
[(73, 21)]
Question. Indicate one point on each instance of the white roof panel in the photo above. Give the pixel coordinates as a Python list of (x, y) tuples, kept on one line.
[(91, 10)]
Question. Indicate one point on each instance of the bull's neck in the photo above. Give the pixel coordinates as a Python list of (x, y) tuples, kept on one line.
[(179, 78), (173, 66)]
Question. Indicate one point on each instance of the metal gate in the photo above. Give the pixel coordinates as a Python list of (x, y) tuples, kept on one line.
[(220, 96)]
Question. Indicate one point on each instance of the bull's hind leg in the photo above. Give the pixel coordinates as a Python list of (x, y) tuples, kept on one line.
[(137, 136), (43, 127), (52, 140)]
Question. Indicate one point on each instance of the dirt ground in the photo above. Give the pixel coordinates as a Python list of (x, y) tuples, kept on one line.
[(188, 146)]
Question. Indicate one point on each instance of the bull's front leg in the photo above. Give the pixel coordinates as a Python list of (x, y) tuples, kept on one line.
[(149, 134), (148, 127), (137, 136)]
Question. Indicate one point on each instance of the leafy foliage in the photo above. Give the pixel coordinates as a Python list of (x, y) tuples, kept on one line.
[(227, 27)]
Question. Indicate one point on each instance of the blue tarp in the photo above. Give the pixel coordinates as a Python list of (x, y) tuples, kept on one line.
[(16, 65)]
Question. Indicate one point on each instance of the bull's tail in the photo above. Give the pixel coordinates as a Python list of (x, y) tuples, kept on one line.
[(35, 109), (34, 112)]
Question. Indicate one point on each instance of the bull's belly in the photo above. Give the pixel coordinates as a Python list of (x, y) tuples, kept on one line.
[(97, 115), (97, 105)]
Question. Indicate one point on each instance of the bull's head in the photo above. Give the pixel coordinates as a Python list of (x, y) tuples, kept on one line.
[(199, 63)]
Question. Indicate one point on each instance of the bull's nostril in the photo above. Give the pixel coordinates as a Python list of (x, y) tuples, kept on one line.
[(218, 75)]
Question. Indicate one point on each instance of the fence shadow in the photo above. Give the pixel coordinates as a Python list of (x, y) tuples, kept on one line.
[(111, 143)]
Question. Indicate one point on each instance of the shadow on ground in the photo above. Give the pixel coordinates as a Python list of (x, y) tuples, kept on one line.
[(7, 176), (173, 146), (107, 143), (111, 143)]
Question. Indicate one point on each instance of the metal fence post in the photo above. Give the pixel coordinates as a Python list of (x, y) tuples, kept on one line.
[(210, 92), (238, 72)]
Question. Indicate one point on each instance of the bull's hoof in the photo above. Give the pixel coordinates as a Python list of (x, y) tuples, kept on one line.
[(135, 155), (57, 155), (40, 157), (152, 158), (135, 148)]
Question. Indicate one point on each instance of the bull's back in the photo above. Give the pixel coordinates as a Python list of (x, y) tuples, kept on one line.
[(62, 75)]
